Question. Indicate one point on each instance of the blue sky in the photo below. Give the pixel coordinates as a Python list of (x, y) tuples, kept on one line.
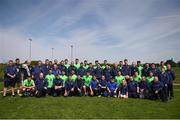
[(146, 30)]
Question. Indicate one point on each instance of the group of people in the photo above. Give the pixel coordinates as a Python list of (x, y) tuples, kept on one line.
[(121, 80)]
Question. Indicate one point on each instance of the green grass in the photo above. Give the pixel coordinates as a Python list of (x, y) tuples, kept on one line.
[(177, 71), (88, 107)]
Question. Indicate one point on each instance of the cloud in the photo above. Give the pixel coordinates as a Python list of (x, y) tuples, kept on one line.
[(103, 29)]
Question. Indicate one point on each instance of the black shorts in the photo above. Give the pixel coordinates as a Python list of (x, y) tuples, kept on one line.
[(8, 83), (18, 80)]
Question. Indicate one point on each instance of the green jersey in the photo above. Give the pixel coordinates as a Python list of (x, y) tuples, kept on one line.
[(74, 77), (94, 66), (86, 67), (77, 65), (120, 67), (140, 68), (137, 78), (103, 67), (28, 83), (67, 65), (119, 79), (150, 79), (165, 67), (87, 80), (64, 78), (50, 78)]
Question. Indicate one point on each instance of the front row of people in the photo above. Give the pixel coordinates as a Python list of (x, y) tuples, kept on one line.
[(91, 86)]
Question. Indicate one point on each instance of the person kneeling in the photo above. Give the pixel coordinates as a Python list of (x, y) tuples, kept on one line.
[(69, 87), (94, 86), (28, 87), (58, 86), (123, 90), (103, 87), (112, 88), (133, 88), (157, 90), (79, 83), (41, 86), (143, 88)]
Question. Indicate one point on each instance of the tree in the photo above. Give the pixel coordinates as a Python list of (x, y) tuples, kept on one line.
[(178, 64), (171, 62)]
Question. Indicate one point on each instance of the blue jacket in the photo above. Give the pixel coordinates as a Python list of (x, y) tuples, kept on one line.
[(145, 72), (72, 67), (155, 71), (126, 70), (107, 73), (156, 86), (103, 83), (58, 82), (79, 83), (94, 84), (63, 68), (91, 70), (37, 71), (9, 70), (132, 86), (114, 72), (164, 78), (112, 86), (81, 71), (69, 84), (144, 85), (40, 84), (124, 89), (45, 69), (98, 73), (133, 70), (18, 70), (56, 72), (171, 76)]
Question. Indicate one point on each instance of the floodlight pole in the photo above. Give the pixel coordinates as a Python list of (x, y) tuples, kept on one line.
[(30, 40), (71, 53), (52, 53)]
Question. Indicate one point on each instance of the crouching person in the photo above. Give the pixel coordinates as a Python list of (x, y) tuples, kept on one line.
[(49, 79), (69, 87), (157, 90), (103, 87), (143, 88), (94, 87), (41, 86), (58, 86), (123, 90), (79, 83), (133, 88), (112, 88), (28, 87)]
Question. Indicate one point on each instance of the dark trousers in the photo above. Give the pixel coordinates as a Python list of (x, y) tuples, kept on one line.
[(144, 94), (170, 90), (58, 92), (102, 91), (70, 93), (50, 91), (77, 92), (41, 93), (95, 91), (112, 94), (158, 95), (165, 90), (132, 95)]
